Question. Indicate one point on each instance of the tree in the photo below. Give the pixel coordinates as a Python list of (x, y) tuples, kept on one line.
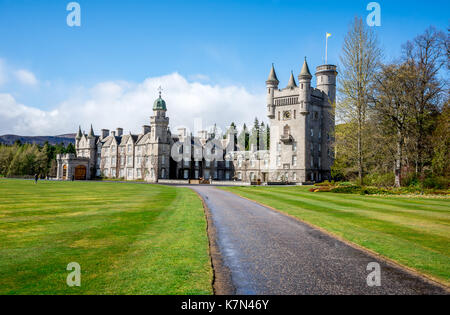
[(441, 144), (360, 61), (254, 135), (243, 139), (70, 149), (426, 54), (392, 104)]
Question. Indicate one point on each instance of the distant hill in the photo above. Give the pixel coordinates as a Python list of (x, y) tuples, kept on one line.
[(40, 140)]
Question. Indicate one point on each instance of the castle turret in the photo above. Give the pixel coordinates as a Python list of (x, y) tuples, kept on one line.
[(326, 81), (271, 84), (304, 80), (159, 121), (291, 85), (91, 138), (78, 137)]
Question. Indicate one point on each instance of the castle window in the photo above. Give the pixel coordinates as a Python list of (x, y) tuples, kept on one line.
[(294, 160), (227, 164), (240, 176), (320, 162), (295, 114), (286, 131), (163, 160), (138, 172), (207, 164), (294, 146), (312, 162), (130, 173), (129, 148), (278, 146), (312, 132), (294, 177), (278, 160), (279, 115), (302, 86)]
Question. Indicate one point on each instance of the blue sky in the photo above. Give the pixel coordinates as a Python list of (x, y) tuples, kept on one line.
[(218, 43)]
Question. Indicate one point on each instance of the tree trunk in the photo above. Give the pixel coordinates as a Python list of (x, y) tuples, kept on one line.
[(398, 161)]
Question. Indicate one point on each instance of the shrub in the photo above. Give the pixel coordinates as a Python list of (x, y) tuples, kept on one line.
[(380, 180), (325, 183), (347, 189), (436, 183)]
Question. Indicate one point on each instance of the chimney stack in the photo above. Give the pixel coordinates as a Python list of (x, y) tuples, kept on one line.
[(105, 133), (119, 132), (146, 129)]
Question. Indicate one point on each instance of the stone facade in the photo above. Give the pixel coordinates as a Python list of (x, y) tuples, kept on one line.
[(301, 121)]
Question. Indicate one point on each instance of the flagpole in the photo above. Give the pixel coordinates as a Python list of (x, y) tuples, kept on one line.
[(326, 49)]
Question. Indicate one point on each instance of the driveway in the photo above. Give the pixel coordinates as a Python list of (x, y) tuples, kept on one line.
[(269, 253)]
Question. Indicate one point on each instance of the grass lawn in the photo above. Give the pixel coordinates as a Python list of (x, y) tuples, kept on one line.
[(128, 238), (412, 231)]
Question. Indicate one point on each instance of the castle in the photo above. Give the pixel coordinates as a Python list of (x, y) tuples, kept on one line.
[(301, 120)]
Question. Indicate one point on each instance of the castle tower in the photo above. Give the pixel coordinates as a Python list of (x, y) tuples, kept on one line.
[(304, 80), (326, 81), (159, 123), (272, 85)]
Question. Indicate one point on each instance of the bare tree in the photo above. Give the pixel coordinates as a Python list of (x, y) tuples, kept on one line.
[(360, 61), (427, 54)]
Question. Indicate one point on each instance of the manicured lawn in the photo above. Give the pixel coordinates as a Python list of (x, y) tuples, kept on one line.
[(128, 238), (412, 231)]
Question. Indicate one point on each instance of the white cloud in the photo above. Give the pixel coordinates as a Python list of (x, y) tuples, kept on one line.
[(129, 105), (25, 77)]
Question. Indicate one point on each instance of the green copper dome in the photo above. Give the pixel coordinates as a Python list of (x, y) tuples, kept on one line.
[(159, 104)]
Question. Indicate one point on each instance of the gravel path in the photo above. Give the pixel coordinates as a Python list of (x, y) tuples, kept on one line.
[(270, 253)]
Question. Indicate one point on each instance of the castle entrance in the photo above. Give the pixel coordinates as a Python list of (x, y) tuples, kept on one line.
[(80, 172), (64, 177)]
